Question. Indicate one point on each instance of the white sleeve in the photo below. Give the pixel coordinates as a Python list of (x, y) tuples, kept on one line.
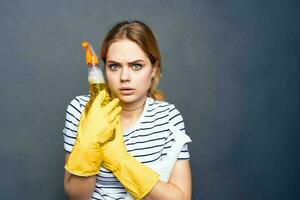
[(175, 119)]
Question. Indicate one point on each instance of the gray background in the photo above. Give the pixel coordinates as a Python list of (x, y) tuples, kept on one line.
[(231, 67)]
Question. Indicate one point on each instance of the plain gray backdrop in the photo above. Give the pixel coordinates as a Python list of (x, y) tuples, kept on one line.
[(231, 68)]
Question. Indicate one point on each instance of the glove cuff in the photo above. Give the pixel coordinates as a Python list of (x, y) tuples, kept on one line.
[(136, 177), (84, 161)]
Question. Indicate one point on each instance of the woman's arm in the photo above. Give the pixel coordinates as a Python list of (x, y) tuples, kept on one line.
[(179, 186), (78, 188)]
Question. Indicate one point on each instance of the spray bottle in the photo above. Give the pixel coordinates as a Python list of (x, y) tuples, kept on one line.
[(95, 76)]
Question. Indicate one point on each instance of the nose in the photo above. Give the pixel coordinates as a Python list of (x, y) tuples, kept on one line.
[(125, 75)]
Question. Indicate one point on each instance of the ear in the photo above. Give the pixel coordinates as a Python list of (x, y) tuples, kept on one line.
[(154, 69)]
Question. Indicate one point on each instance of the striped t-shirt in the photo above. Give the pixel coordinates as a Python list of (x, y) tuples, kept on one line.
[(148, 140)]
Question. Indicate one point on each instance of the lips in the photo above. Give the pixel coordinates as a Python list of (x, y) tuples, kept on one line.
[(126, 90)]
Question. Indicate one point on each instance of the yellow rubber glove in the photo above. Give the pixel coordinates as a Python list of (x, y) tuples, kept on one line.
[(95, 127), (137, 178)]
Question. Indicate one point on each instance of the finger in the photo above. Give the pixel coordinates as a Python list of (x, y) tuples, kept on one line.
[(99, 99), (111, 105), (118, 137), (119, 131), (115, 122), (115, 113)]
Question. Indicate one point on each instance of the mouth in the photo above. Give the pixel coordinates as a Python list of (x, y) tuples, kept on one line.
[(126, 91)]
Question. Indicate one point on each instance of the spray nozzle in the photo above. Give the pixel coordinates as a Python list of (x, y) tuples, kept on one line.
[(91, 57)]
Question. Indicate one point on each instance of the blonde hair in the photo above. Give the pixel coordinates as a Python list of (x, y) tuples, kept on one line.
[(142, 35)]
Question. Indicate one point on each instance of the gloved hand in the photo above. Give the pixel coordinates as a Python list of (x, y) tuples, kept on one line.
[(165, 167), (95, 128), (137, 178)]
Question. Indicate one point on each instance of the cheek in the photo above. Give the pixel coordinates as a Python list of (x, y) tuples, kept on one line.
[(111, 81), (145, 81)]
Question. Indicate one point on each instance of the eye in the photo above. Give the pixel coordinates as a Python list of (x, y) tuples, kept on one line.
[(113, 67), (136, 66)]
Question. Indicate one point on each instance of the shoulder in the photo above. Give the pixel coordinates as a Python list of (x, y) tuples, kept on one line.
[(156, 107), (78, 102), (164, 109), (76, 105)]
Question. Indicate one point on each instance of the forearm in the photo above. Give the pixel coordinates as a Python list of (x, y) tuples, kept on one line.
[(165, 191), (179, 185), (79, 188)]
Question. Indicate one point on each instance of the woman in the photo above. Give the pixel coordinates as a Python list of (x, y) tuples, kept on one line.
[(138, 117)]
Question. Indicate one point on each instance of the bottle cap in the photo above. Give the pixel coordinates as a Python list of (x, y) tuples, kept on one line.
[(90, 57)]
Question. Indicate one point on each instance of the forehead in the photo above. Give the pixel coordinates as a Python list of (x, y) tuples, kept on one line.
[(124, 51)]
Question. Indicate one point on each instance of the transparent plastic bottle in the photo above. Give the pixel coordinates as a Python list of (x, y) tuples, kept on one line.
[(95, 76)]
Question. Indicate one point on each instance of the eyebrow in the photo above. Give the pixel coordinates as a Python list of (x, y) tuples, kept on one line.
[(135, 61)]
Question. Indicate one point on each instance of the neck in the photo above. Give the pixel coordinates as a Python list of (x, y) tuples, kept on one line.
[(132, 111)]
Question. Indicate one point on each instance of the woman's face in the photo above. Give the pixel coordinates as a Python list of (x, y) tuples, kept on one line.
[(128, 71)]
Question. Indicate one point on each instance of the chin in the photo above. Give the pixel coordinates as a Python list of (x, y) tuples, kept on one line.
[(129, 99)]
